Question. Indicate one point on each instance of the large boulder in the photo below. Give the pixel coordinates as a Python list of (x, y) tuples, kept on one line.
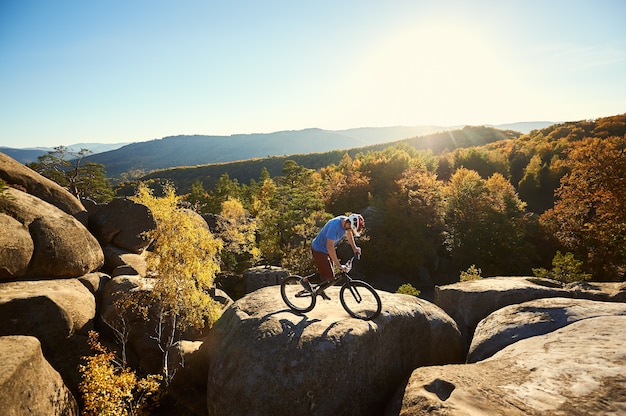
[(537, 317), (576, 370), (16, 248), (63, 247), (119, 261), (471, 301), (605, 291), (264, 359), (19, 176), (28, 384), (263, 276), (122, 223), (57, 312)]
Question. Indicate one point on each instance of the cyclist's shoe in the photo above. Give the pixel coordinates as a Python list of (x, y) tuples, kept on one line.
[(303, 294), (324, 295), (306, 285)]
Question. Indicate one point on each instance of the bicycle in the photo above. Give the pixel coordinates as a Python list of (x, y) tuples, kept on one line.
[(357, 297)]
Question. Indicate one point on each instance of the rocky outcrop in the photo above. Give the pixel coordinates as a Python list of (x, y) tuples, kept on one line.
[(16, 248), (21, 177), (470, 302), (322, 362), (62, 246), (538, 317), (263, 276), (28, 384), (57, 312), (577, 369), (121, 223), (119, 261)]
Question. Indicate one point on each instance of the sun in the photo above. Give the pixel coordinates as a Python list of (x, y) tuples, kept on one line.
[(442, 73)]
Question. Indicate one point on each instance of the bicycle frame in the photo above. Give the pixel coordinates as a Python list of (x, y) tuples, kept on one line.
[(338, 277)]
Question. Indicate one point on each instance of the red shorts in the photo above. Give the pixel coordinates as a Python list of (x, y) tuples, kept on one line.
[(324, 266)]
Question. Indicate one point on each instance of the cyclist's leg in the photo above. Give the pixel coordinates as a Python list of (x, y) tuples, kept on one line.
[(324, 266)]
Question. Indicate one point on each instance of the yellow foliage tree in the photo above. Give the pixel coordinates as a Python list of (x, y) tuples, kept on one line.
[(238, 233), (109, 390), (184, 260)]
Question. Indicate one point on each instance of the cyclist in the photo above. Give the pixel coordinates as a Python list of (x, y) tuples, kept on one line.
[(324, 245)]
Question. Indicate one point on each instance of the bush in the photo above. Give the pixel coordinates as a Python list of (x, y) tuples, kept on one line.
[(408, 289), (473, 273), (109, 389), (565, 269)]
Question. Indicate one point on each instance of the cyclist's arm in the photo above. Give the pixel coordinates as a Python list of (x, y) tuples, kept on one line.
[(350, 237)]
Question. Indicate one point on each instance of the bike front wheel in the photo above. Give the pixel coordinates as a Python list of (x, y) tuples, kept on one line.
[(295, 296), (360, 300)]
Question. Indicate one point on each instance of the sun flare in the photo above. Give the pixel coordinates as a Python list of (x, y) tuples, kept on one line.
[(435, 69)]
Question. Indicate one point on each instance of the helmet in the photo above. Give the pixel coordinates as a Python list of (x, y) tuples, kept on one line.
[(357, 223)]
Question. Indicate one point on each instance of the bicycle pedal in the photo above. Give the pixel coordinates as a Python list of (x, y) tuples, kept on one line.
[(324, 295)]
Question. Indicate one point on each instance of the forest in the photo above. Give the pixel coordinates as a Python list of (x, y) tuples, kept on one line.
[(496, 201)]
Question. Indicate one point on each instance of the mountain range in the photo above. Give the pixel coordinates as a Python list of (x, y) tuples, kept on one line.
[(192, 150)]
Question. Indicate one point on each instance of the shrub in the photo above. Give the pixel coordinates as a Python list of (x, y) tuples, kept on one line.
[(472, 273), (108, 389), (408, 289), (565, 269)]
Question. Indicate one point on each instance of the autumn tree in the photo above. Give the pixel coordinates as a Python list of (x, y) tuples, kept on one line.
[(184, 259), (109, 388), (68, 169), (263, 209), (484, 162), (410, 232), (486, 223), (237, 230), (383, 169), (539, 181), (589, 216), (344, 187)]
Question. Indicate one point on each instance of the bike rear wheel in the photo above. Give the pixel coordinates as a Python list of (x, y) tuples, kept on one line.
[(294, 295), (360, 300)]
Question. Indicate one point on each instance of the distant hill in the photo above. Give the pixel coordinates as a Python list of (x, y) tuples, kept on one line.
[(201, 150), (524, 126), (24, 156), (245, 170), (29, 155)]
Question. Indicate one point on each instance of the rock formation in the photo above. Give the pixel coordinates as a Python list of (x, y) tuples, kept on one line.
[(575, 370), (323, 362), (27, 180), (28, 384), (529, 319)]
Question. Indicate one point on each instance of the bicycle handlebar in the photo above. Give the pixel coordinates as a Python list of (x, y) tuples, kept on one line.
[(348, 263)]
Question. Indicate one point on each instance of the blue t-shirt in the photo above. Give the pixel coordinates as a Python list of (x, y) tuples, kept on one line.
[(332, 230)]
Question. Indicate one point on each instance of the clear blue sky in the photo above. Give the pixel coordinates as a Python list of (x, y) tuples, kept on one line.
[(109, 71)]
